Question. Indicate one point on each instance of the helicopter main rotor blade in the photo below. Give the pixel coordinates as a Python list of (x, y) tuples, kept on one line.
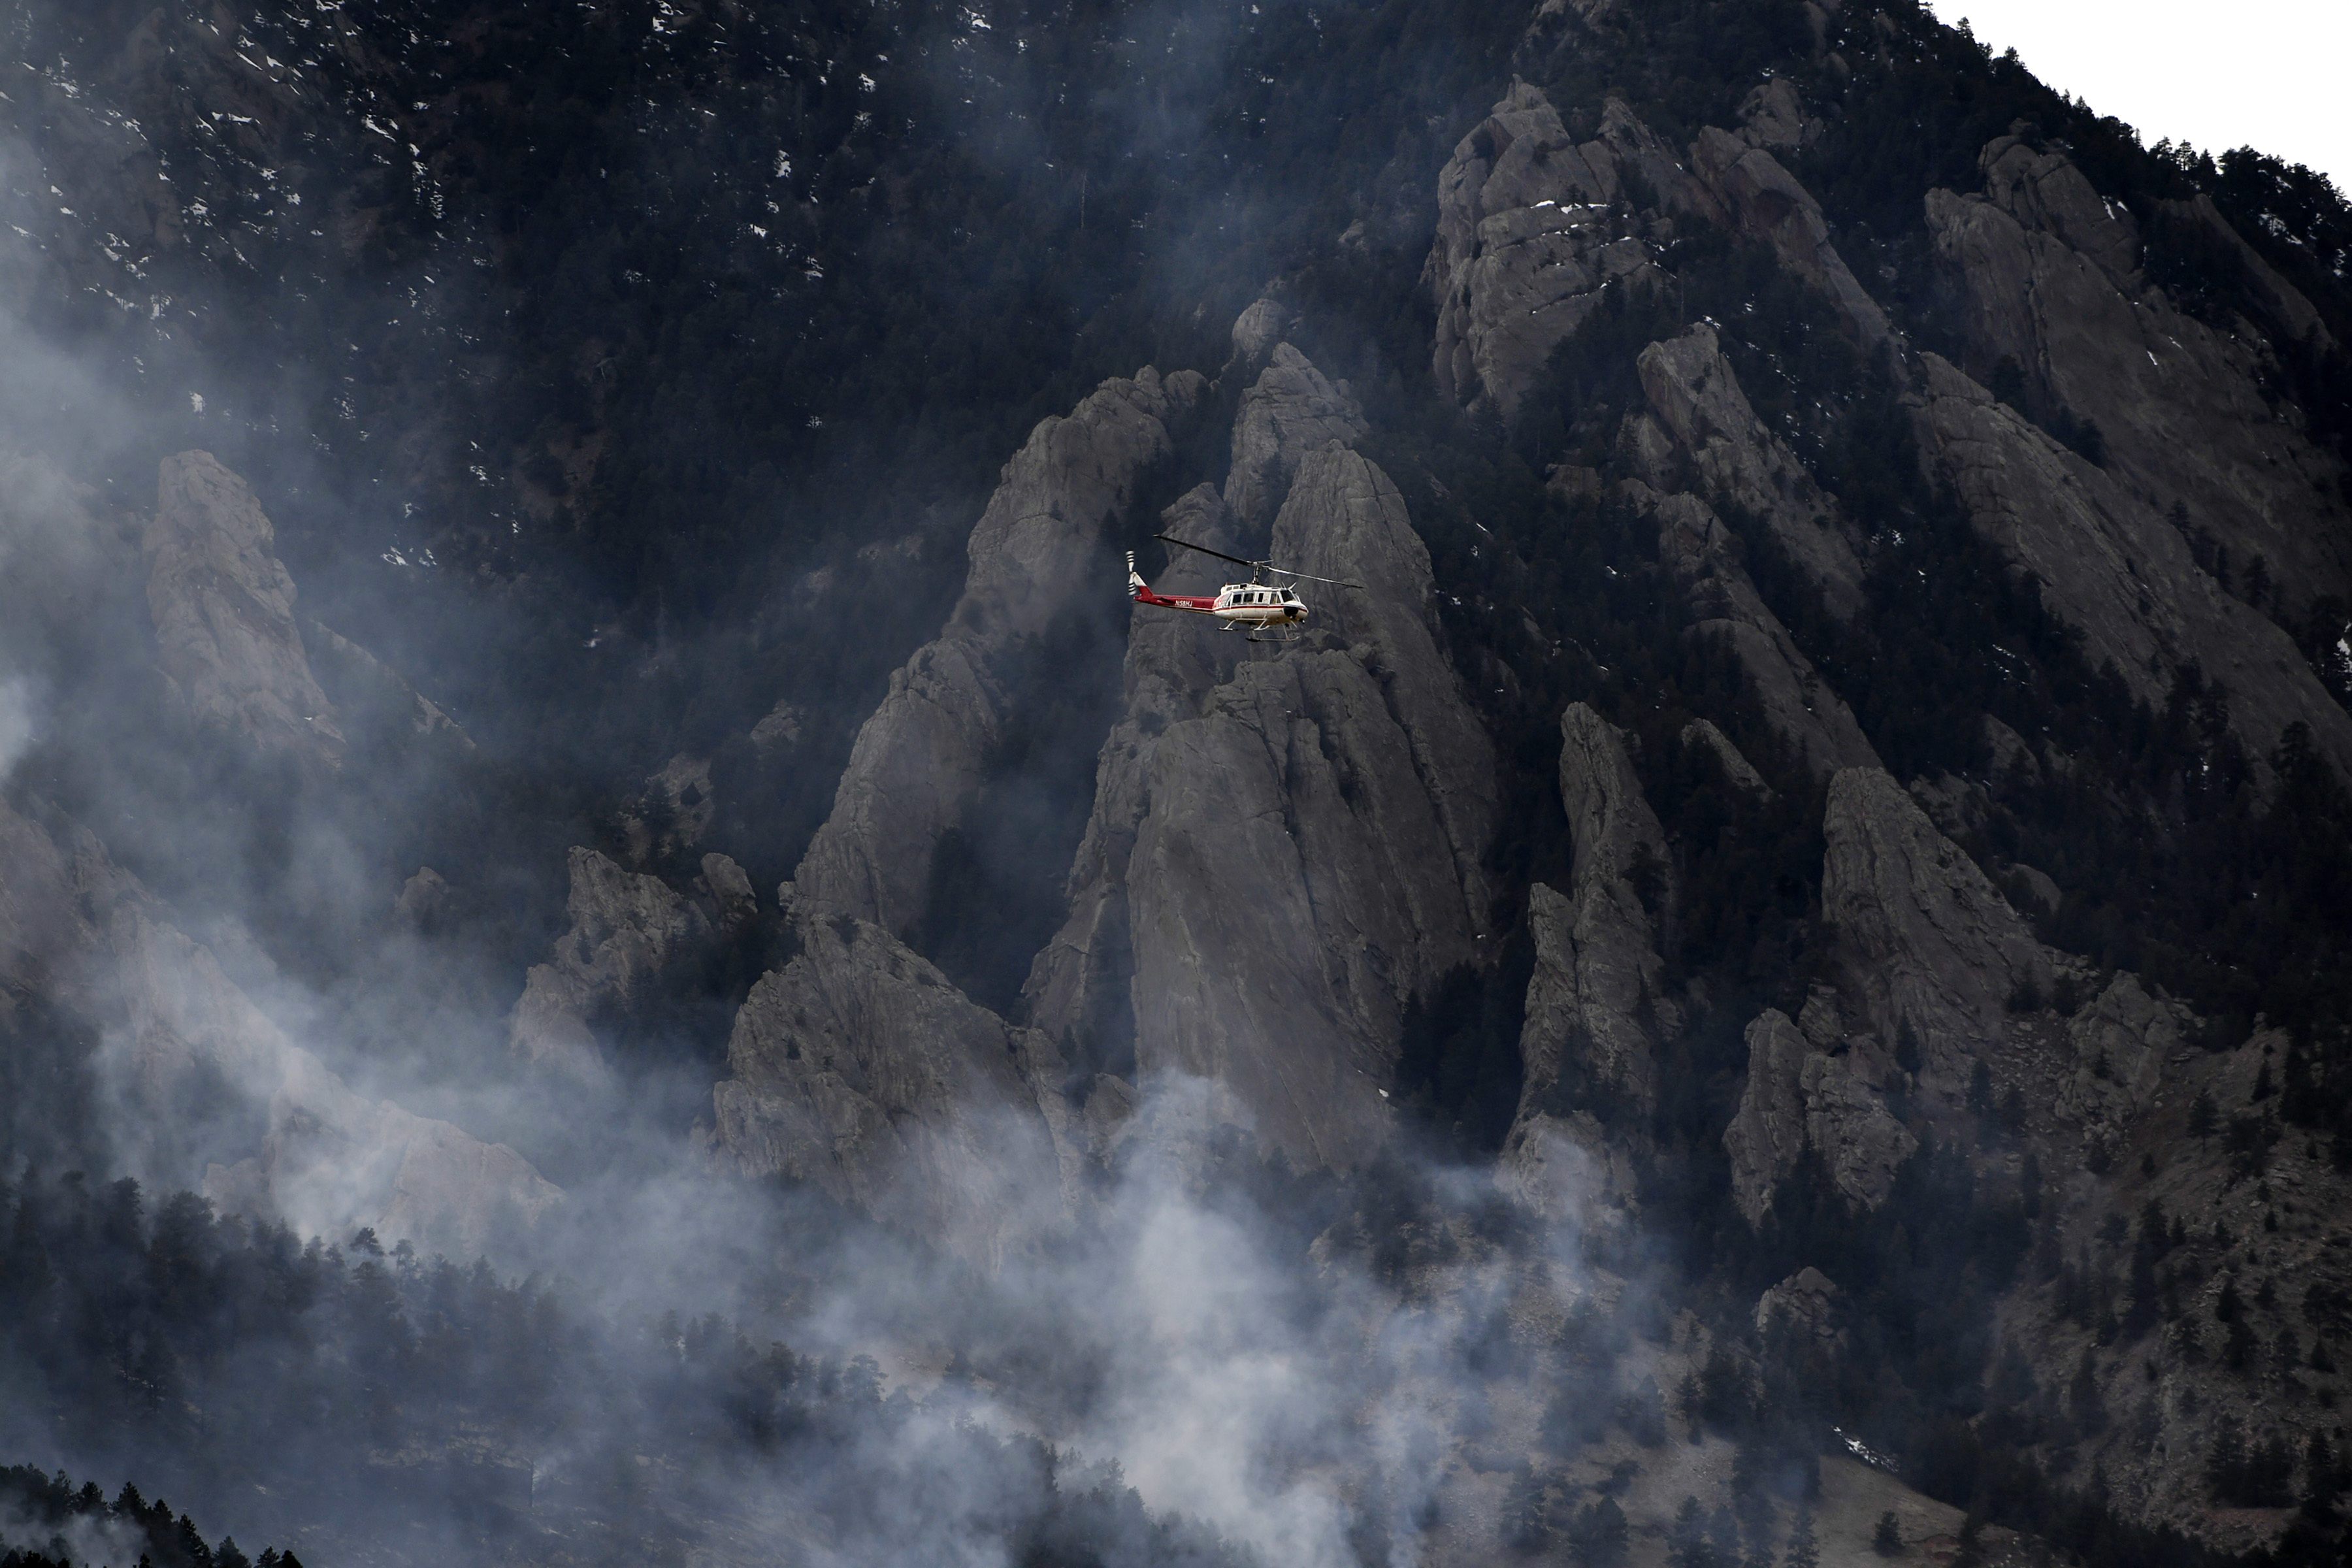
[(1171, 539), (1310, 577), (1261, 565)]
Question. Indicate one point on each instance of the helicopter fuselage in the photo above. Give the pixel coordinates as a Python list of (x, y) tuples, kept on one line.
[(1237, 604)]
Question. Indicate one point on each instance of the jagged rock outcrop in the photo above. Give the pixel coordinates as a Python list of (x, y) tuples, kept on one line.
[(200, 1073), (1594, 1012), (1283, 849), (1736, 765), (1800, 1098), (1704, 557), (2048, 273), (625, 927), (1078, 987), (2120, 1042), (920, 758), (1928, 943), (1310, 858), (1767, 203), (423, 899), (860, 1069), (1257, 331), (1290, 410), (1773, 115), (1741, 463), (779, 729), (2117, 570), (224, 609), (1530, 232), (1594, 1000), (1805, 1302)]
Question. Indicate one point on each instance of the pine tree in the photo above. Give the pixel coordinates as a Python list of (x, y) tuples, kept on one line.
[(2202, 1117), (1887, 1540), (1803, 1551)]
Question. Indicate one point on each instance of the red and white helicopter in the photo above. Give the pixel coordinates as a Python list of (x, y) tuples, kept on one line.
[(1266, 611)]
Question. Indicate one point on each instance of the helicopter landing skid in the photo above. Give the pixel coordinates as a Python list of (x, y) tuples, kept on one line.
[(1276, 634)]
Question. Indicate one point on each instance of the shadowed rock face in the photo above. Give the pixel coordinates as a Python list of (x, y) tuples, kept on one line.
[(1036, 551), (2048, 273), (1695, 546), (858, 1067), (1930, 942), (1691, 387), (224, 609), (2115, 569), (1593, 1008), (1767, 204), (1591, 1000)]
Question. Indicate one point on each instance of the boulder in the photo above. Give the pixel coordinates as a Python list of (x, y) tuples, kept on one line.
[(1805, 1302), (1773, 116), (223, 610)]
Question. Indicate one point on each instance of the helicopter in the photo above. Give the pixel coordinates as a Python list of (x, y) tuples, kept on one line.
[(1264, 611)]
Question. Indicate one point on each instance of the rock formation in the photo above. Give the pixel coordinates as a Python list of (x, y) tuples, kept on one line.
[(2118, 571), (1532, 228), (1931, 945), (2048, 274), (1283, 851), (858, 1067), (1742, 465), (1593, 999), (626, 926), (1704, 557), (1800, 1097), (1767, 204), (362, 685), (1289, 411), (224, 608), (1034, 552)]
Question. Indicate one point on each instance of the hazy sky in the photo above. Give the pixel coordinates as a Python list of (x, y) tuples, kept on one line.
[(2265, 73)]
